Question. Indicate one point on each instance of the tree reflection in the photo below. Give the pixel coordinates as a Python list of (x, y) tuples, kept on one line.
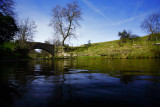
[(11, 83), (75, 82), (126, 79)]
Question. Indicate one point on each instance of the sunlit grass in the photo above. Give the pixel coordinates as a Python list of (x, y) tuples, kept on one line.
[(140, 48)]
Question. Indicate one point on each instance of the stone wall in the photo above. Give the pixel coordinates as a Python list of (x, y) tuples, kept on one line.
[(60, 53)]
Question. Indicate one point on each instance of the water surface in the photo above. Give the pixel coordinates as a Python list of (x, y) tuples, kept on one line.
[(80, 82)]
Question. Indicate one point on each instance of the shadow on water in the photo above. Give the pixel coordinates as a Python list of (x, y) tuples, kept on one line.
[(80, 82)]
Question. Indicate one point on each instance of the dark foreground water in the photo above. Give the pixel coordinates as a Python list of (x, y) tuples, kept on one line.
[(80, 83)]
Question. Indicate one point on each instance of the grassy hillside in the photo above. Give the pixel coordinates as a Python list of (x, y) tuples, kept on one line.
[(141, 48)]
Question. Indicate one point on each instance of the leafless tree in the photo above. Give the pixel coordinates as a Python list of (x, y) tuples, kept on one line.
[(152, 24), (65, 20), (54, 41), (26, 32)]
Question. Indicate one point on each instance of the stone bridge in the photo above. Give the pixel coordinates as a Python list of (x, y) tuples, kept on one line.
[(38, 45)]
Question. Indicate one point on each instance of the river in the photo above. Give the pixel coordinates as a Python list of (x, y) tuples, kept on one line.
[(80, 83)]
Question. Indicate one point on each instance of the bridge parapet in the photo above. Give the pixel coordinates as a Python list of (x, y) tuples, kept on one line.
[(57, 52), (38, 45)]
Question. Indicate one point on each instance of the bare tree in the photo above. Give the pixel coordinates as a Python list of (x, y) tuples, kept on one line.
[(152, 24), (65, 20), (54, 41), (26, 32)]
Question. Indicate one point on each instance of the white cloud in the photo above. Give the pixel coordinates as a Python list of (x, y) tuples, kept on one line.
[(90, 5), (138, 5), (130, 19)]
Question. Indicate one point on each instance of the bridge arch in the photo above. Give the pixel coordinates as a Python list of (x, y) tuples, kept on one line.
[(38, 45)]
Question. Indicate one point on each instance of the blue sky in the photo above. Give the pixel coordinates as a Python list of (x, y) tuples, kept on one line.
[(102, 19)]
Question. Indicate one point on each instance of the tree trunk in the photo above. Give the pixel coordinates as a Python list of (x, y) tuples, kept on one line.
[(63, 42)]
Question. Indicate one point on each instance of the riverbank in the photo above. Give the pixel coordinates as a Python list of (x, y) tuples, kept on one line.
[(140, 48)]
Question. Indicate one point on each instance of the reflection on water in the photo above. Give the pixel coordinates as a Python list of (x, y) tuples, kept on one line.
[(79, 83)]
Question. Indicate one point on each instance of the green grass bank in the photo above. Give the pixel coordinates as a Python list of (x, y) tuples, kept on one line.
[(140, 48)]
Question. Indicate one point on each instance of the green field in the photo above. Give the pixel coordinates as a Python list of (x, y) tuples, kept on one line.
[(140, 48)]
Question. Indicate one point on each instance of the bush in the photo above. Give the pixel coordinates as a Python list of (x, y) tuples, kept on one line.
[(156, 51), (10, 46), (10, 50)]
